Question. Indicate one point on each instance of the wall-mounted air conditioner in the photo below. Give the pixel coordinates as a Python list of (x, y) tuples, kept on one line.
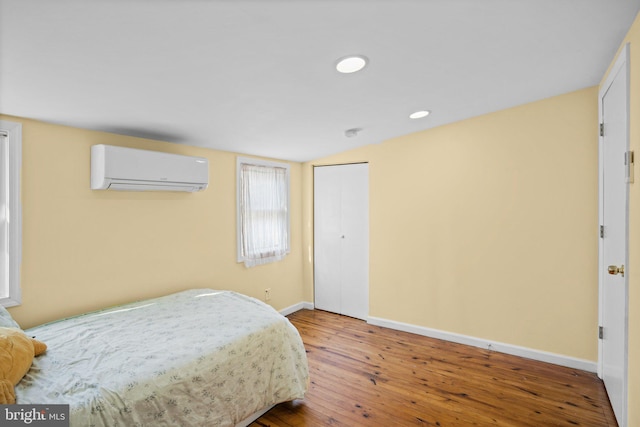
[(129, 169)]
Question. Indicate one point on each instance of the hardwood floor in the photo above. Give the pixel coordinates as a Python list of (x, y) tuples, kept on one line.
[(364, 375)]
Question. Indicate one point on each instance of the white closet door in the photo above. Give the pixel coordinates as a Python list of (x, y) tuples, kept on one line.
[(341, 236), (327, 238)]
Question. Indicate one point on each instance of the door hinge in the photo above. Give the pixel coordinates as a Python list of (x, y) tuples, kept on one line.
[(602, 231), (600, 332), (629, 162), (601, 129)]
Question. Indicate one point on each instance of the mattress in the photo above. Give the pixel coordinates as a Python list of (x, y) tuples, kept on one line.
[(195, 358)]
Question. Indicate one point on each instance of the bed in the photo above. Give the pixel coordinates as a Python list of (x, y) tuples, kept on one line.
[(196, 358)]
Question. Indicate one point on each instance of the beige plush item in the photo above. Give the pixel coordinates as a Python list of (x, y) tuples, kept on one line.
[(17, 351)]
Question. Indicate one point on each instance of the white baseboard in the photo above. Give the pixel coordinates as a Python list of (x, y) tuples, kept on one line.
[(299, 306), (543, 356)]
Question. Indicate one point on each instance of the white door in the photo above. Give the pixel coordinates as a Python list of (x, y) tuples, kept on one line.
[(341, 239), (614, 237)]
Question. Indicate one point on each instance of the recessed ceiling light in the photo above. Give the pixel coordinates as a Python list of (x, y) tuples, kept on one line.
[(351, 64), (419, 114)]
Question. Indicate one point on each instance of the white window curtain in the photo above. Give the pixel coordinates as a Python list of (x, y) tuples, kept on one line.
[(263, 214)]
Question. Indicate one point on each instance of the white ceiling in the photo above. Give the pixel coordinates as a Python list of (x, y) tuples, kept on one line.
[(258, 76)]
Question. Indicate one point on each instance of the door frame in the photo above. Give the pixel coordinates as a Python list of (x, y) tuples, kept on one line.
[(621, 64)]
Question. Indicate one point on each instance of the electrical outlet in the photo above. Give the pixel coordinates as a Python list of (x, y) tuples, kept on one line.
[(267, 294)]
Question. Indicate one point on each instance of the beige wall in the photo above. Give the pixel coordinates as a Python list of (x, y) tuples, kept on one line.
[(85, 250), (633, 38), (486, 227)]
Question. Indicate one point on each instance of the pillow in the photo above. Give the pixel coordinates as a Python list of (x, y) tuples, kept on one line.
[(6, 321)]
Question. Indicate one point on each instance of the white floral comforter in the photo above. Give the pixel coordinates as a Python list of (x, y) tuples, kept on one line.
[(195, 358)]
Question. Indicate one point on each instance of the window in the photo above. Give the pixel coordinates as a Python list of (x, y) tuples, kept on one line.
[(263, 211), (10, 212)]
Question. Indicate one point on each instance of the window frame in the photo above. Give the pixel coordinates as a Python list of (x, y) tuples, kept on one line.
[(13, 141), (266, 163)]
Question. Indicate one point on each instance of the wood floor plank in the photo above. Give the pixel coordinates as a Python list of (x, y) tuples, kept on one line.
[(364, 375)]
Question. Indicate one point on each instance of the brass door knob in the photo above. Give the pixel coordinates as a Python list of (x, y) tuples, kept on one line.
[(613, 269)]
